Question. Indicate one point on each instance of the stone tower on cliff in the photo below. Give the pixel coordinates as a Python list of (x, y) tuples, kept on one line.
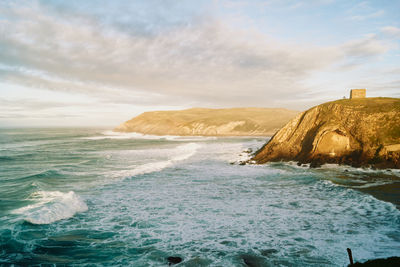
[(358, 93)]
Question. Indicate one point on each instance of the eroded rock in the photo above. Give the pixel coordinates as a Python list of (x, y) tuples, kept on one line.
[(358, 132)]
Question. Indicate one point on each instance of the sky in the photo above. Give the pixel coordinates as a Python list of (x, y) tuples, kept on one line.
[(99, 63)]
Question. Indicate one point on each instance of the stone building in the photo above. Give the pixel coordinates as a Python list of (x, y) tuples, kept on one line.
[(358, 93)]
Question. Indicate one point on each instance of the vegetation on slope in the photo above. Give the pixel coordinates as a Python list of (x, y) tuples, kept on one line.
[(210, 122)]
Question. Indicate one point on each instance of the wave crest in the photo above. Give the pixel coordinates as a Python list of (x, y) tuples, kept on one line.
[(52, 206), (183, 152), (134, 135)]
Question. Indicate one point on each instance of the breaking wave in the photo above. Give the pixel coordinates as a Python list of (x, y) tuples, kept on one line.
[(181, 153), (133, 135), (51, 206)]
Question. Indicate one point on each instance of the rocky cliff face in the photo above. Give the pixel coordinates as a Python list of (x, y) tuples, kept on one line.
[(357, 132), (210, 122)]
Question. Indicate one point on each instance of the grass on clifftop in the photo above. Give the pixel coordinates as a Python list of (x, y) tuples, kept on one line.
[(370, 105), (379, 117)]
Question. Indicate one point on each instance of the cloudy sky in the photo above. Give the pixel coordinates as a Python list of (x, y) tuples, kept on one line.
[(66, 63)]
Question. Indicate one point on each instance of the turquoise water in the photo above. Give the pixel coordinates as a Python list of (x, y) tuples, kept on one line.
[(96, 198)]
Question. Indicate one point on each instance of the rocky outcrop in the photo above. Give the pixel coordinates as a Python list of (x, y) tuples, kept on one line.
[(357, 132), (388, 262), (210, 122)]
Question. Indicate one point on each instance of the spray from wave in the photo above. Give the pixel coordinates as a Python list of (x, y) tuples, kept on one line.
[(52, 206)]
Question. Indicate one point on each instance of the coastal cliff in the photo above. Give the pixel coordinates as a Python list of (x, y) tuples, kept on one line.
[(356, 132), (210, 122)]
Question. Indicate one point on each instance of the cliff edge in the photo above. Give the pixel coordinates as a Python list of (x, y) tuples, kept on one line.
[(356, 132), (210, 122)]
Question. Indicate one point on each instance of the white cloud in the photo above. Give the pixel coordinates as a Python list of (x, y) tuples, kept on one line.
[(391, 31), (367, 47), (207, 63)]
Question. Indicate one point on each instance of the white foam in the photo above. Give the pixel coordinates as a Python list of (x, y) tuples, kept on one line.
[(117, 135), (52, 206), (180, 153), (186, 151), (234, 152), (134, 135), (351, 169), (368, 185), (253, 209)]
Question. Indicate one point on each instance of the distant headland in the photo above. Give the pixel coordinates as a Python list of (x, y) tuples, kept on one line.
[(210, 122), (358, 131)]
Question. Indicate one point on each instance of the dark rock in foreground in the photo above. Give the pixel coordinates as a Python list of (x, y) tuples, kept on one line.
[(357, 132), (174, 260), (389, 262)]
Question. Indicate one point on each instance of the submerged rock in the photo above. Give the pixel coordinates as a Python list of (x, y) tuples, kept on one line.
[(253, 260), (357, 132), (174, 260), (198, 262), (268, 252)]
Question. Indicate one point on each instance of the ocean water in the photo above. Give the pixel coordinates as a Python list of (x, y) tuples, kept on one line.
[(91, 197)]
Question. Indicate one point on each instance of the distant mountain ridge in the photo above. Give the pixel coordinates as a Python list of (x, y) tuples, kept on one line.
[(357, 132), (210, 122)]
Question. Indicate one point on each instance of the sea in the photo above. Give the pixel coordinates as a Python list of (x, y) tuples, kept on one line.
[(93, 197)]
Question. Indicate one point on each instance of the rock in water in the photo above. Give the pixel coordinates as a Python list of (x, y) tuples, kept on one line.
[(357, 132), (174, 260), (253, 260), (389, 262)]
